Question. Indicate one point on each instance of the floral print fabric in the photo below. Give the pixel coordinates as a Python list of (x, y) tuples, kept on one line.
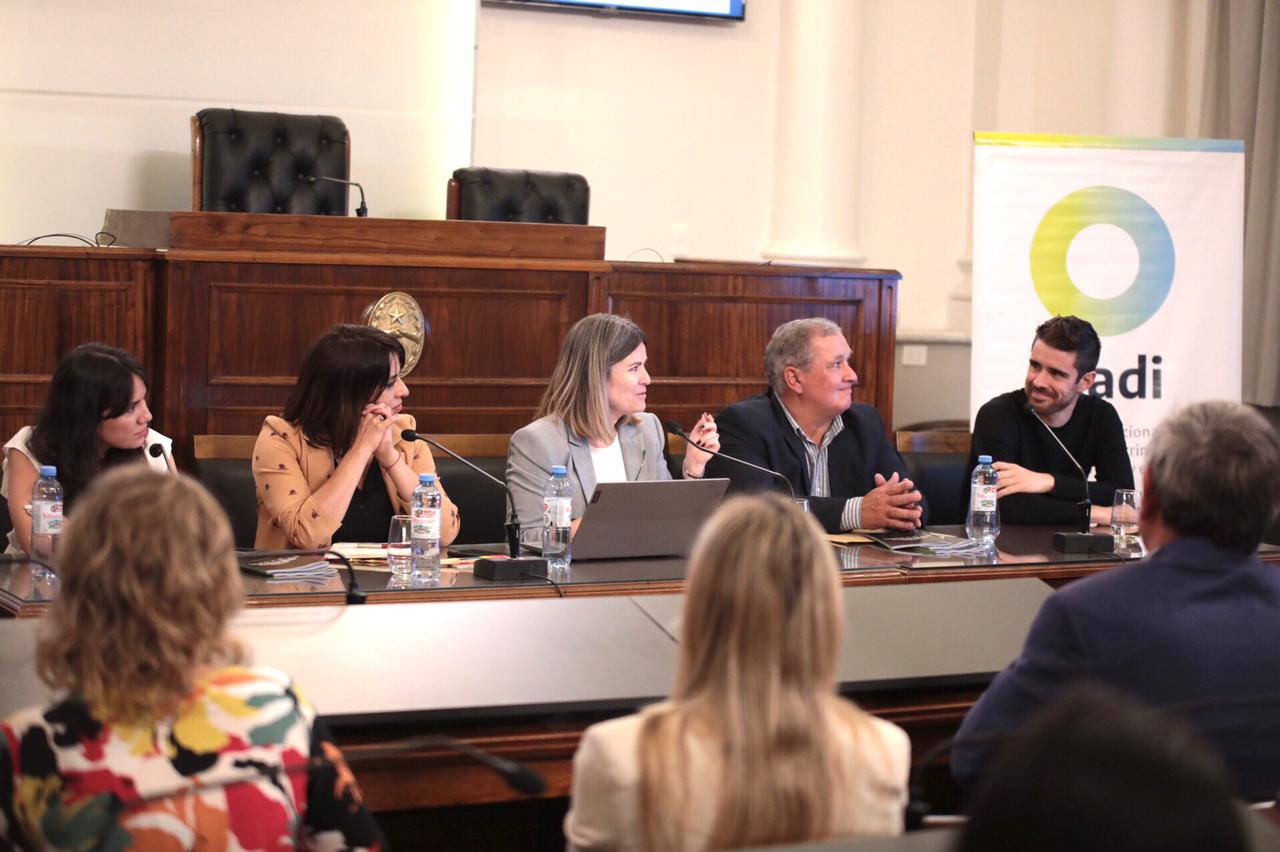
[(229, 771)]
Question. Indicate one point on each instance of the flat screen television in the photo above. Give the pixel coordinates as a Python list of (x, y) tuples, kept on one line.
[(728, 10)]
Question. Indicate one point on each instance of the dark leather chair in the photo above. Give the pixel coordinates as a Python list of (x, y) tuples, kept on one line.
[(261, 162), (515, 195), (936, 461)]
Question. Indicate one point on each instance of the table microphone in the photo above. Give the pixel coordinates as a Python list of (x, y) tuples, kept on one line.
[(674, 428), (362, 210), (514, 567), (157, 450), (1083, 541)]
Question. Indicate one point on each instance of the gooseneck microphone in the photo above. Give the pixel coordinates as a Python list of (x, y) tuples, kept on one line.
[(674, 428), (516, 565), (362, 210), (1083, 541)]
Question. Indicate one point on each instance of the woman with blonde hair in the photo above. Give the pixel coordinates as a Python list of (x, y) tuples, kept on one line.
[(592, 420), (162, 738), (754, 747)]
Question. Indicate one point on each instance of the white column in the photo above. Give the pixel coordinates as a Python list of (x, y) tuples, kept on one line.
[(817, 141)]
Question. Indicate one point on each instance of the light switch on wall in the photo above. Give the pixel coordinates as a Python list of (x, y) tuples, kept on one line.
[(915, 355)]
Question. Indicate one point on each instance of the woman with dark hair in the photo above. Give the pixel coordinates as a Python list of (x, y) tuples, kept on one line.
[(592, 420), (754, 747), (94, 417), (313, 465), (161, 735)]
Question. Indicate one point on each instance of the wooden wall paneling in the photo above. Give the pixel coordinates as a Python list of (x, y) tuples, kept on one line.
[(186, 309), (707, 326), (495, 336), (53, 299)]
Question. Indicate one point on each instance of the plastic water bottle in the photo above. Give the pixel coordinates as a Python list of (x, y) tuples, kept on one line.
[(46, 514), (982, 522), (557, 512), (426, 529)]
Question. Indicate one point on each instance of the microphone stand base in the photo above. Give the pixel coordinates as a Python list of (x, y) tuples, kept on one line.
[(510, 569), (1075, 542)]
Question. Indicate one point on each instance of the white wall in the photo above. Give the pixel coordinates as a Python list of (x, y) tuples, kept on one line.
[(671, 122), (95, 98)]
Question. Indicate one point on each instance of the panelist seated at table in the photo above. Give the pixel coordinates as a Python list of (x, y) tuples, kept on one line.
[(1194, 627), (754, 747), (1037, 481), (592, 420), (333, 466), (807, 427), (94, 417), (161, 738)]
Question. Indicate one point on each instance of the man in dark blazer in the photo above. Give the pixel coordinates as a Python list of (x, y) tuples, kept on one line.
[(1195, 627), (807, 428)]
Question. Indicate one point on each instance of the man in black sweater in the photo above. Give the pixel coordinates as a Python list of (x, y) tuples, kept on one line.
[(1038, 484)]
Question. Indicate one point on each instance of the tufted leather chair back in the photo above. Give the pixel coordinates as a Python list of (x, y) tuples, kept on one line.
[(259, 162), (515, 195)]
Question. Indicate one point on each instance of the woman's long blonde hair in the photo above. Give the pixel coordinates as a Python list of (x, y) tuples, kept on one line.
[(149, 580), (758, 654), (578, 390)]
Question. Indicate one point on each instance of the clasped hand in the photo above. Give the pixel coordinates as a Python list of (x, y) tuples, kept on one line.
[(893, 504), (377, 424)]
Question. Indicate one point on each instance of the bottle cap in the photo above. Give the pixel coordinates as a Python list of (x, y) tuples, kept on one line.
[(559, 470), (426, 478), (48, 470), (984, 459)]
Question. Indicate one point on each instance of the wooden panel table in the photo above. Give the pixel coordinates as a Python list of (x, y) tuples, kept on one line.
[(524, 678), (1022, 552), (1028, 555)]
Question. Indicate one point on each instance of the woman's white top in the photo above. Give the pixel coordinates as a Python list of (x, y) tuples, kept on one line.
[(607, 462), (20, 442)]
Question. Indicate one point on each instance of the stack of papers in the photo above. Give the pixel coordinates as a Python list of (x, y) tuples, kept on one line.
[(920, 542), (278, 566)]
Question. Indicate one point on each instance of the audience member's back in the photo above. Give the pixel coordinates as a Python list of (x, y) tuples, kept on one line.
[(1096, 771)]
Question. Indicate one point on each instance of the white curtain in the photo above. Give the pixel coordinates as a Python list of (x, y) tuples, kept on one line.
[(1242, 101)]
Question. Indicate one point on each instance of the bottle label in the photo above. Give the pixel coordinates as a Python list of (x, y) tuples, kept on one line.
[(426, 524), (556, 511), (983, 498), (46, 518)]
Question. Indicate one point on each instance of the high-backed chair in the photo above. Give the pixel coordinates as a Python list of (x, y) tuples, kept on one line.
[(936, 460), (264, 162), (516, 195)]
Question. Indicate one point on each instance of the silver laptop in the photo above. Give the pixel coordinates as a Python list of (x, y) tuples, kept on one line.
[(656, 518)]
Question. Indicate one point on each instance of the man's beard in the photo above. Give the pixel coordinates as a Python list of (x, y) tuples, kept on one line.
[(1053, 406)]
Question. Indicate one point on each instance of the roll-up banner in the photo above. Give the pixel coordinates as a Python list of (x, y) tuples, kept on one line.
[(1144, 238)]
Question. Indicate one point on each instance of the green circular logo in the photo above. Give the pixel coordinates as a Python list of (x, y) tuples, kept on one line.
[(1103, 205)]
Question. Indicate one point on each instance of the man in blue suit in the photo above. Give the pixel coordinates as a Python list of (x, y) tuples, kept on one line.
[(1195, 627), (807, 428)]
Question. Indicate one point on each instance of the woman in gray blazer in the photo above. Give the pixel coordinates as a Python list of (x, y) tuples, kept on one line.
[(592, 421)]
